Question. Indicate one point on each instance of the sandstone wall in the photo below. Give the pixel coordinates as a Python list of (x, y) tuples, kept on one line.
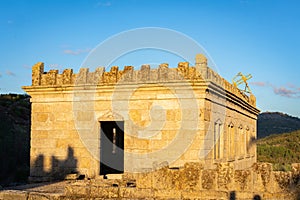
[(178, 115), (189, 182), (194, 182)]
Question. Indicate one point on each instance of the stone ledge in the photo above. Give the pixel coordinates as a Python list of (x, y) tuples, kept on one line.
[(163, 74)]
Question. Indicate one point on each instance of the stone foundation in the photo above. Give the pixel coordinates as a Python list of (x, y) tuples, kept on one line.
[(190, 182)]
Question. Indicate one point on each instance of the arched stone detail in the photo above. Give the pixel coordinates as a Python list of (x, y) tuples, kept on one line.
[(231, 124), (110, 116)]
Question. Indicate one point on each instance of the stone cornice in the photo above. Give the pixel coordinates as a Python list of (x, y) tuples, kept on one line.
[(199, 75)]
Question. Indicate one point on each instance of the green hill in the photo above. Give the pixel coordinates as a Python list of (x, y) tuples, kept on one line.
[(14, 138), (269, 123), (282, 150)]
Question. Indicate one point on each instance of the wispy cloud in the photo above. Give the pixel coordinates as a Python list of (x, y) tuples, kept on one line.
[(0, 75), (64, 46), (262, 84), (10, 73), (285, 92), (103, 4), (27, 66), (76, 52), (289, 90), (56, 66), (10, 21)]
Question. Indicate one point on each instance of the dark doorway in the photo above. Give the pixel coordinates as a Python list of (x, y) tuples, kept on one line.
[(111, 147)]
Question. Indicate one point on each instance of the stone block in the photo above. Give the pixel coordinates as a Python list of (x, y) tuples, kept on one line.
[(84, 162), (37, 71), (154, 75), (82, 76), (78, 190), (67, 76), (13, 195), (112, 76), (208, 179), (144, 180), (105, 192), (102, 105), (43, 143), (39, 134), (84, 115), (38, 196), (41, 117), (144, 73), (135, 193), (183, 69), (167, 194), (127, 75)]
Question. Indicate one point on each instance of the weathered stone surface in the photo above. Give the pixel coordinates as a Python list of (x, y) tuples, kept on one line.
[(190, 177), (183, 69), (112, 76), (144, 73), (161, 108), (37, 71), (208, 179), (225, 175), (127, 75), (13, 195), (163, 72), (180, 183), (82, 76), (67, 76)]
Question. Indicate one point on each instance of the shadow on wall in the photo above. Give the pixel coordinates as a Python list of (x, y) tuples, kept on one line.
[(232, 196), (251, 143), (59, 168)]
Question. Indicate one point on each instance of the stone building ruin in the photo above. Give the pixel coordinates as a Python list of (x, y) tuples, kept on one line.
[(98, 123)]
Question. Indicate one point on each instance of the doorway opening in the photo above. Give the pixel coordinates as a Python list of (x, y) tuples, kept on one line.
[(111, 147)]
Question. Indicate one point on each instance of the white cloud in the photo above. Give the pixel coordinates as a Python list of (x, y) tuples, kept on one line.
[(261, 84), (10, 73), (103, 4), (27, 66), (76, 52), (285, 92), (289, 91)]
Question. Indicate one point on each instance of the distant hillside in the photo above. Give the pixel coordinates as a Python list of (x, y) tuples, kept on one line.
[(14, 138), (269, 123), (282, 150)]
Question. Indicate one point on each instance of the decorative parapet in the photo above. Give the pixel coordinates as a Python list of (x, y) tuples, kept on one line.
[(128, 75), (199, 72)]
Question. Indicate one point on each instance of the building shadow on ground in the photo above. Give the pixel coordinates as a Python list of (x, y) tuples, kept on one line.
[(59, 170)]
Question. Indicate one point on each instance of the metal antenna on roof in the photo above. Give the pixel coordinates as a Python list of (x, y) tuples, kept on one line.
[(242, 79)]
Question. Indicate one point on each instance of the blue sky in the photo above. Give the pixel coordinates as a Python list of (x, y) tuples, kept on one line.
[(260, 37)]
